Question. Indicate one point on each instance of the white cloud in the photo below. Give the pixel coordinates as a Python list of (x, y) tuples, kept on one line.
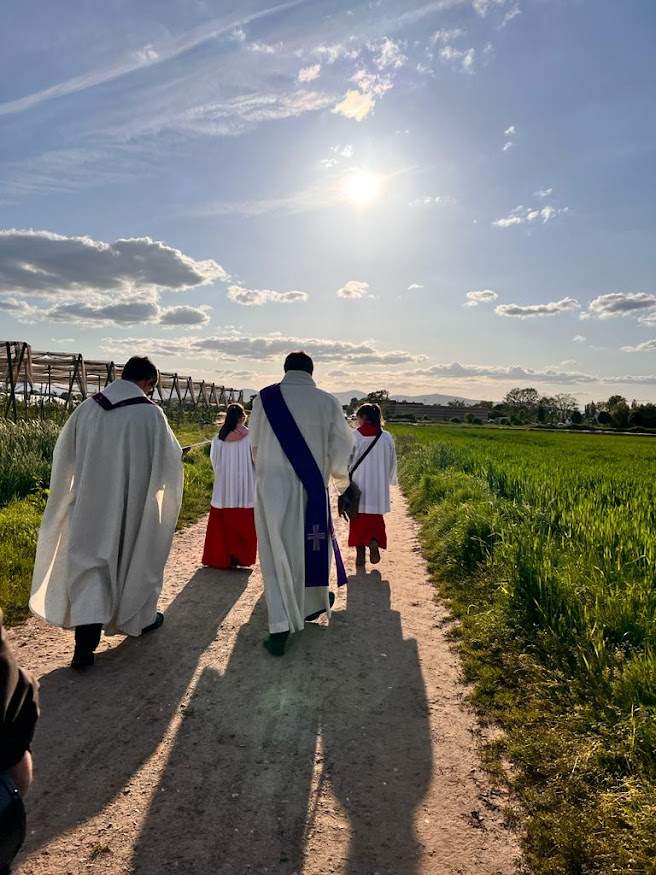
[(502, 372), (372, 83), (331, 53), (355, 105), (18, 308), (645, 346), (243, 113), (166, 50), (621, 304), (510, 134), (354, 289), (484, 6), (543, 192), (389, 54), (579, 338), (464, 58), (309, 74), (529, 215), (185, 315), (42, 263), (442, 37), (483, 296), (257, 297), (430, 200), (414, 286), (147, 55), (262, 348), (526, 311), (513, 12), (345, 151), (508, 222), (122, 311), (265, 48), (340, 151)]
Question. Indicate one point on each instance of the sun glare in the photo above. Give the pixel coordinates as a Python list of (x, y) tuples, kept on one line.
[(362, 187)]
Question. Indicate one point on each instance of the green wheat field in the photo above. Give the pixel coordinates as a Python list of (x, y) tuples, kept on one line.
[(545, 546)]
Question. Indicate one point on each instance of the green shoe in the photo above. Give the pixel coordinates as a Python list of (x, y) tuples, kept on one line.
[(275, 643)]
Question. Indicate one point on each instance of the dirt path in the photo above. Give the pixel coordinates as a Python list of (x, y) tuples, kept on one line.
[(193, 751)]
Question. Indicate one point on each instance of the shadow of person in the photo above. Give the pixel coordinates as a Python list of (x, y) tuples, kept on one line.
[(235, 795), (376, 733), (97, 729)]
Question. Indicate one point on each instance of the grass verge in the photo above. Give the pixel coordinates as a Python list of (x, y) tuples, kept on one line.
[(561, 658)]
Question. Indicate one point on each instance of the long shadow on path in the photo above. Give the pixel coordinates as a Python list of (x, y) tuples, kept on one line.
[(97, 729), (237, 792)]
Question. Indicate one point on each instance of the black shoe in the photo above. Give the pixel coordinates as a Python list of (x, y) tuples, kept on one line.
[(275, 643), (159, 619), (374, 553), (82, 660), (317, 614)]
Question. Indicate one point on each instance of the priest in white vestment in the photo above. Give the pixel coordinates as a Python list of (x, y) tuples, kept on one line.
[(280, 498), (115, 494)]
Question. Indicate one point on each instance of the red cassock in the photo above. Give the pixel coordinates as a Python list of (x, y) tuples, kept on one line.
[(367, 527), (230, 538)]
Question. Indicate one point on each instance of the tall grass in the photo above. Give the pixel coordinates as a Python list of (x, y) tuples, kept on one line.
[(25, 460), (25, 457), (546, 546)]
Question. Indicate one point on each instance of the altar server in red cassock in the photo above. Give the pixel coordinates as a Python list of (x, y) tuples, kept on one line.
[(230, 540), (374, 476)]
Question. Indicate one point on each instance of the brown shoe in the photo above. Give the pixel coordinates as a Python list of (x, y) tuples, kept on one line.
[(374, 553), (360, 557)]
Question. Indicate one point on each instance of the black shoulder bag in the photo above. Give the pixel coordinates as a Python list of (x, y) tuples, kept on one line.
[(348, 503)]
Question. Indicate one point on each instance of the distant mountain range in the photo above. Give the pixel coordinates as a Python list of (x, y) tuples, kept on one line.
[(436, 398), (345, 397)]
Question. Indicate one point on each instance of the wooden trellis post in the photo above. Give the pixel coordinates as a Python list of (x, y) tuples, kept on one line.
[(60, 374)]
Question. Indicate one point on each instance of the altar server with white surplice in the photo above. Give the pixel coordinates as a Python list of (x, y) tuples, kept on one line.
[(230, 540), (373, 469)]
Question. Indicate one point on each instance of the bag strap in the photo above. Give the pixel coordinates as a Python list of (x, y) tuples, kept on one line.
[(365, 454)]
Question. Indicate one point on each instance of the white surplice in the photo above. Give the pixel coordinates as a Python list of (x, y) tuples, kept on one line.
[(115, 494), (234, 474), (376, 473), (280, 498)]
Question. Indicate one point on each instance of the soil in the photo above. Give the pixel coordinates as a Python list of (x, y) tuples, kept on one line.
[(192, 750)]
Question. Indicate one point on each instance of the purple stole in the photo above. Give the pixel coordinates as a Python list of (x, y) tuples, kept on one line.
[(318, 522)]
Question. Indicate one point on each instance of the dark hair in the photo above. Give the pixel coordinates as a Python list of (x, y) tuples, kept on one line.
[(233, 414), (371, 413), (139, 368), (299, 361)]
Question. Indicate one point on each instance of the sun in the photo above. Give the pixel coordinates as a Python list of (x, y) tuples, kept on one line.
[(362, 187)]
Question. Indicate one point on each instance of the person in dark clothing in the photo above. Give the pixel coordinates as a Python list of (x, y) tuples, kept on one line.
[(19, 712)]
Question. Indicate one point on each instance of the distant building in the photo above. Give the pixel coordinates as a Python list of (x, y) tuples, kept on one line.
[(433, 412)]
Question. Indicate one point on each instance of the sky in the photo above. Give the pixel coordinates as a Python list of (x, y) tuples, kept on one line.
[(453, 196)]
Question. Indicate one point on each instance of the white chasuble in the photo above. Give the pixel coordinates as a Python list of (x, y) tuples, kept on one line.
[(115, 494), (280, 496)]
